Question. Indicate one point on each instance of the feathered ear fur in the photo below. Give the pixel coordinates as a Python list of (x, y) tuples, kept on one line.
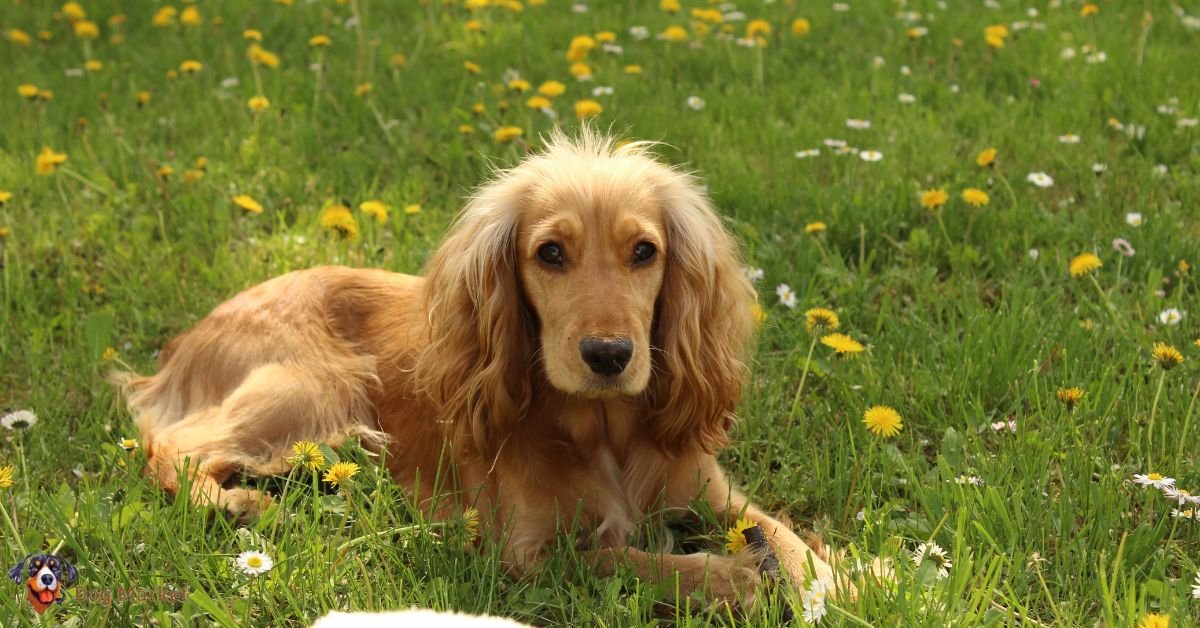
[(704, 326), (477, 365)]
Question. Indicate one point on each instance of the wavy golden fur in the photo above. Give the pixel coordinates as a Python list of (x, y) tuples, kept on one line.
[(576, 347)]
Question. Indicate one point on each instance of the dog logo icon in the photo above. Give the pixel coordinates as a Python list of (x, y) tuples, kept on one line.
[(46, 577)]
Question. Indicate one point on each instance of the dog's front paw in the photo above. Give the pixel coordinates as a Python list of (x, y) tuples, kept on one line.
[(245, 505)]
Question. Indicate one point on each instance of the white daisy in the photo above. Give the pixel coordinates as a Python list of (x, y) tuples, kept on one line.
[(754, 274), (934, 553), (613, 49), (1196, 586), (602, 90), (579, 8), (1133, 219), (1180, 496), (639, 32), (1097, 57), (1001, 425), (1068, 138), (808, 152), (907, 99), (1171, 316), (1034, 254), (1185, 514), (19, 420), (833, 143), (1160, 170), (870, 155), (1040, 179), (1153, 479), (814, 602), (253, 563), (1099, 168), (128, 444), (695, 102), (878, 62), (1067, 53), (1187, 122), (841, 7), (857, 124), (786, 296), (1122, 246)]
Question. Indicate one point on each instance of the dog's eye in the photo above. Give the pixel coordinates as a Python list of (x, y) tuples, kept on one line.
[(551, 254), (643, 252)]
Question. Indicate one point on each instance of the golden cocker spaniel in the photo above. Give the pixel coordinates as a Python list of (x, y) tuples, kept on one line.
[(575, 348)]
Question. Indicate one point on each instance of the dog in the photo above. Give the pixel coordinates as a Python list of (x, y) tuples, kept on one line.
[(576, 350), (46, 578)]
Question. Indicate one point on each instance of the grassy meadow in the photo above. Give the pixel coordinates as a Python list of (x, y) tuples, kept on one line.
[(157, 158)]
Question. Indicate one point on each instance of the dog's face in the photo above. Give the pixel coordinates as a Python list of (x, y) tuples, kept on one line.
[(45, 575), (591, 263)]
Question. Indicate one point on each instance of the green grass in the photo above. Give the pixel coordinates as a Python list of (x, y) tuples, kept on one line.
[(963, 327)]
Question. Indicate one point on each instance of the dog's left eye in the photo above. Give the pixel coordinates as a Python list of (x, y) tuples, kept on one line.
[(643, 252)]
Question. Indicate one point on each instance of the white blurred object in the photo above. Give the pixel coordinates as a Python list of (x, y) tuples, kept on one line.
[(415, 618)]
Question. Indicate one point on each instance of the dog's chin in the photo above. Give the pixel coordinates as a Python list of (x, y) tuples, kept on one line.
[(592, 386)]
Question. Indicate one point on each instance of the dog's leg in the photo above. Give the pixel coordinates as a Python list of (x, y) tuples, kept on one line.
[(795, 556), (727, 579)]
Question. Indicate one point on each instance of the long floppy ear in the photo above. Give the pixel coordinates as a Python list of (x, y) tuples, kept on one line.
[(476, 365), (17, 573), (704, 326), (70, 573)]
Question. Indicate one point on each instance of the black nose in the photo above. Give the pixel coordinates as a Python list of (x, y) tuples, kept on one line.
[(606, 356), (47, 579)]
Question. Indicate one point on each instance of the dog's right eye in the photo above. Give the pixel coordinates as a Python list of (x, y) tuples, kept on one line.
[(551, 254)]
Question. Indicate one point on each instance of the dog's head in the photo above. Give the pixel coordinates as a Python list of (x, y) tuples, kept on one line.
[(604, 269), (46, 575)]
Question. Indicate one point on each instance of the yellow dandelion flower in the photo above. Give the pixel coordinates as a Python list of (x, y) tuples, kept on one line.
[(191, 175), (986, 157), (251, 34), (190, 16), (414, 208), (519, 85), (735, 537), (375, 209), (507, 134), (814, 228), (319, 41), (1088, 10), (362, 89), (45, 36), (92, 65), (191, 66), (633, 68), (670, 6), (759, 314), (307, 454), (883, 421), (5, 232), (932, 199), (538, 102), (398, 60), (337, 218), (1154, 620), (472, 67), (474, 26), (6, 476), (585, 109), (580, 69), (471, 523), (675, 34), (86, 29), (466, 129), (1167, 356), (975, 197), (258, 104), (581, 46), (1184, 266), (19, 37), (757, 28), (606, 37), (341, 473), (73, 11), (550, 89), (821, 317), (5, 197), (164, 16), (248, 204), (261, 56), (48, 161), (842, 344), (1070, 396), (28, 90), (110, 354), (1083, 264), (800, 27), (164, 171)]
